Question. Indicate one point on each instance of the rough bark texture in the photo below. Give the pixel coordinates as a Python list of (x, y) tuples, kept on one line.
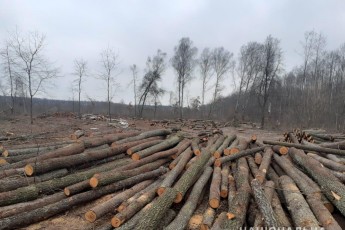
[(298, 207), (181, 220), (218, 153), (329, 184), (214, 199), (279, 211), (282, 150), (65, 204), (176, 171), (195, 146), (308, 148), (266, 161), (106, 139), (334, 145), (232, 148), (224, 187), (235, 156), (142, 146), (208, 219), (152, 216), (144, 135), (219, 221), (264, 204), (328, 163), (181, 147), (156, 148)]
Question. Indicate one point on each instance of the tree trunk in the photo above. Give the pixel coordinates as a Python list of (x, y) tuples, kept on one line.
[(152, 216), (225, 181), (266, 161), (182, 146), (109, 206), (77, 134), (65, 204), (144, 135), (214, 199), (218, 153), (308, 148), (151, 150), (208, 218), (219, 222), (235, 156), (195, 146), (25, 151), (264, 204), (282, 150), (328, 163), (186, 212), (142, 146), (107, 139), (329, 184), (279, 211), (334, 145), (232, 191), (175, 172), (232, 148), (298, 207)]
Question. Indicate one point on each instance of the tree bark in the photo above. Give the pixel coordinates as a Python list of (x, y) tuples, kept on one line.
[(142, 146), (279, 211), (214, 199), (328, 163), (107, 139), (156, 148), (208, 218), (65, 204), (181, 147), (334, 145), (195, 146), (152, 216), (225, 181), (175, 172), (282, 150), (232, 148), (186, 212), (266, 161), (298, 207), (218, 153), (329, 184), (264, 203), (235, 156), (108, 206), (308, 148), (144, 135)]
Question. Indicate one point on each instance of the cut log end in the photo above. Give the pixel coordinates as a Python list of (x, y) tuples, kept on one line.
[(214, 203), (217, 163), (29, 170), (234, 150), (172, 165), (116, 222), (253, 138), (283, 150), (197, 152), (160, 191), (93, 182), (178, 198), (90, 216), (224, 193), (227, 152), (3, 161), (67, 191), (216, 154), (135, 157), (121, 208), (129, 152), (230, 216)]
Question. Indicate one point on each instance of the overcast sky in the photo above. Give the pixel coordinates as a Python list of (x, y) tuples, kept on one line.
[(136, 29)]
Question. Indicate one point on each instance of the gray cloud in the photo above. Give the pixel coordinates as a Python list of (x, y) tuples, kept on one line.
[(137, 29)]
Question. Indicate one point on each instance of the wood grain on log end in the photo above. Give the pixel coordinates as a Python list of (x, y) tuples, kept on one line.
[(224, 193), (90, 216), (5, 153), (3, 161), (67, 191), (116, 222), (234, 150), (29, 170), (135, 157), (160, 191), (214, 203), (129, 152), (216, 154), (197, 152), (217, 163), (178, 198), (93, 182)]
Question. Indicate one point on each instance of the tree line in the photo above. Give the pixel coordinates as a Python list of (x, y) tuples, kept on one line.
[(310, 94)]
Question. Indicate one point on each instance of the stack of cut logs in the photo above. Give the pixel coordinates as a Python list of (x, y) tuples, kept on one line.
[(161, 180)]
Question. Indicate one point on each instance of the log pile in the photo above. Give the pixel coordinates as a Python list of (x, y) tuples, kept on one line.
[(161, 179)]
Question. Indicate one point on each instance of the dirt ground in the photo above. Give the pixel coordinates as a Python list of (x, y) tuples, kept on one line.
[(59, 127)]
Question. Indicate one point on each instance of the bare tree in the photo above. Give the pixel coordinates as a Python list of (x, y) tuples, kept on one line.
[(134, 70), (155, 67), (272, 65), (80, 71), (222, 63), (184, 62), (110, 69), (34, 68), (8, 58), (205, 66)]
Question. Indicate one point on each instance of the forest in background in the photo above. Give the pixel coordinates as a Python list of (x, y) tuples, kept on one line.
[(312, 94)]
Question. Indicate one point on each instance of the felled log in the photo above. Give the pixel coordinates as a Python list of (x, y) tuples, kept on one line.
[(152, 216), (36, 146), (195, 146), (235, 156), (232, 148), (214, 199), (181, 220), (142, 146), (282, 218), (330, 185), (31, 192), (35, 150), (219, 221), (328, 163), (266, 160), (181, 147), (231, 190), (293, 138), (77, 134), (339, 175), (252, 165), (109, 205), (282, 150), (65, 204), (264, 204), (197, 217), (218, 153), (156, 148), (308, 148), (298, 207), (8, 184), (258, 158), (110, 177), (334, 145), (106, 139), (175, 172), (224, 180), (208, 218), (190, 162), (144, 135)]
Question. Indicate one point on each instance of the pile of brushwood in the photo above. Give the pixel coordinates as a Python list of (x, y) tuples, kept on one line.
[(162, 180)]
